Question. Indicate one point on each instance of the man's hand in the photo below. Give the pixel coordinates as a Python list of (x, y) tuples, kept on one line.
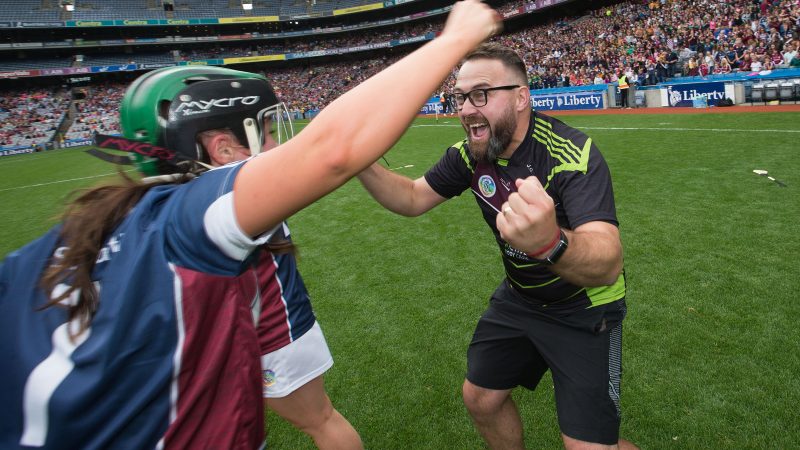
[(528, 219)]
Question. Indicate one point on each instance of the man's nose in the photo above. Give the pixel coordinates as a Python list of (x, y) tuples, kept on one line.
[(467, 108)]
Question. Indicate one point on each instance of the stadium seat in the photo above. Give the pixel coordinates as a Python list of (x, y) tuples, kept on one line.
[(757, 93), (748, 91), (786, 91), (796, 83), (770, 92)]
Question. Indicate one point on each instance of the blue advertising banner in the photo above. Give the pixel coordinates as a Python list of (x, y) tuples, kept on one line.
[(430, 107), (682, 95), (9, 151), (566, 101), (101, 69), (76, 143), (311, 54)]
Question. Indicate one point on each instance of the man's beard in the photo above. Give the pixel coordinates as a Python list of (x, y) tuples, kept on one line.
[(499, 139)]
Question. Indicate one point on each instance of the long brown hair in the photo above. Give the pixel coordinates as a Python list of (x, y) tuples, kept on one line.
[(87, 222)]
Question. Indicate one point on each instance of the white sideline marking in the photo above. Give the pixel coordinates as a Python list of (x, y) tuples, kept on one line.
[(403, 167), (689, 129), (30, 156), (654, 129), (60, 181)]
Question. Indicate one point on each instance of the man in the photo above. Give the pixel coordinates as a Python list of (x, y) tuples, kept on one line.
[(633, 81), (672, 63), (622, 83), (444, 106), (545, 192)]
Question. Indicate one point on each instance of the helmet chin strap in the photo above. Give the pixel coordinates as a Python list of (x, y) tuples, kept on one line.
[(170, 178), (202, 164), (251, 130)]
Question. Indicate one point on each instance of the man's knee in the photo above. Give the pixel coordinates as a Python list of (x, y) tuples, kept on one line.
[(481, 401)]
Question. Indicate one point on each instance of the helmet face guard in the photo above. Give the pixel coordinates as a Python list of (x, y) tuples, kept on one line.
[(169, 107), (276, 122)]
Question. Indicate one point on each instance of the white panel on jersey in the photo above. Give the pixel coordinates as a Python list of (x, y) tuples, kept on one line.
[(221, 227), (177, 358), (49, 374)]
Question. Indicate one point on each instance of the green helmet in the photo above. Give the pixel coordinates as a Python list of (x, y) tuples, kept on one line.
[(168, 107)]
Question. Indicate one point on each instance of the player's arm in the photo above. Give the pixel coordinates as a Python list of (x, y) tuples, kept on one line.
[(528, 222), (593, 256), (351, 133), (397, 193)]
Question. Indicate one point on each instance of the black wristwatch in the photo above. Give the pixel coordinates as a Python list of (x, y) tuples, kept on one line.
[(557, 251)]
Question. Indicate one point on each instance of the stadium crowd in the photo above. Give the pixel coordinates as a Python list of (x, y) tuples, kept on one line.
[(98, 112), (315, 43), (31, 117), (649, 40), (655, 41)]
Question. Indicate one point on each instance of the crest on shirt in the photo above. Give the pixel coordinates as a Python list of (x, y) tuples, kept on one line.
[(487, 186), (269, 378)]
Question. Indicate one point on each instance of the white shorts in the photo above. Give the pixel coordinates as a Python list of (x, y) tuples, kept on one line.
[(290, 367)]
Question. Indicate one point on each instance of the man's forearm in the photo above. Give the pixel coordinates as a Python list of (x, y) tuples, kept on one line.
[(394, 192), (592, 258)]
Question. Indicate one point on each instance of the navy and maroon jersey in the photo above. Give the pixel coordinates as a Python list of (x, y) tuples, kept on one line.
[(574, 174), (286, 312), (172, 356)]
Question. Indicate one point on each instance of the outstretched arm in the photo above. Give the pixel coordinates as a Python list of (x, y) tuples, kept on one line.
[(397, 193), (350, 133)]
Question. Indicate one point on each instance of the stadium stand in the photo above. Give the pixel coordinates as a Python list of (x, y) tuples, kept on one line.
[(31, 117), (28, 10), (141, 58), (34, 63), (97, 112), (721, 40), (115, 10)]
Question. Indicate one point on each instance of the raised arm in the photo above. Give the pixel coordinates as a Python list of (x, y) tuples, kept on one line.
[(350, 133)]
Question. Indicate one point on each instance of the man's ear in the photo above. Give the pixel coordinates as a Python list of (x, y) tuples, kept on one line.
[(524, 99)]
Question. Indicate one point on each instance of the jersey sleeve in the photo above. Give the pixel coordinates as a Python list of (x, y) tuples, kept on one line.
[(588, 195), (452, 174), (202, 232)]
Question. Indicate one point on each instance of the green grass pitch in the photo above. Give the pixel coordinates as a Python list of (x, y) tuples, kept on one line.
[(711, 345)]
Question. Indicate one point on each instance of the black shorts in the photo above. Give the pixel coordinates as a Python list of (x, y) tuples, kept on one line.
[(516, 342)]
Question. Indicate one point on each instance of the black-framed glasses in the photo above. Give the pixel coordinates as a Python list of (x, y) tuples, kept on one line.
[(480, 96)]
